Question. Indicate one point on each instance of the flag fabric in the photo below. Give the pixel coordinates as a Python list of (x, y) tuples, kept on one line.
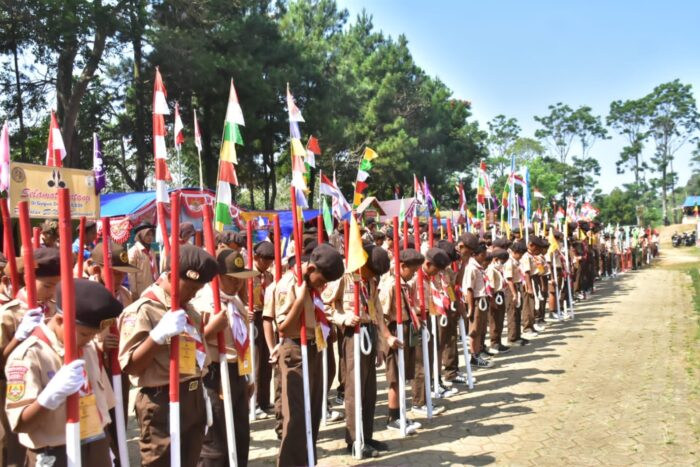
[(98, 168), (483, 191), (5, 158), (418, 190), (571, 209), (695, 209), (340, 204), (179, 127), (362, 175), (537, 194), (327, 218), (526, 192), (553, 243), (313, 149), (55, 150), (428, 197), (402, 212), (462, 202), (297, 152), (160, 108), (232, 133), (357, 256), (197, 134), (560, 215)]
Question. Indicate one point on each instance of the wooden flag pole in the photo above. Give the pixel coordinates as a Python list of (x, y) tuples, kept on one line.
[(115, 369), (174, 391), (399, 328), (297, 226), (81, 246), (424, 328), (9, 246), (251, 325), (210, 246), (69, 329)]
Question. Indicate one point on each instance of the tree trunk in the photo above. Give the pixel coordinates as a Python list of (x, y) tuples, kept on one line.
[(673, 194), (140, 108), (20, 104)]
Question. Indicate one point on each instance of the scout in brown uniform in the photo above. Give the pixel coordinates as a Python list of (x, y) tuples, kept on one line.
[(232, 318), (540, 276), (144, 353), (410, 260), (476, 296), (528, 270), (339, 296), (17, 322), (514, 292), (39, 383), (143, 259), (324, 265), (498, 305), (436, 260)]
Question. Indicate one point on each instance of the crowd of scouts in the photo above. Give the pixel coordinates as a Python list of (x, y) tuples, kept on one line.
[(507, 290)]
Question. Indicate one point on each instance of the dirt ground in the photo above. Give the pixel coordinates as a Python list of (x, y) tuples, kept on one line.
[(611, 387)]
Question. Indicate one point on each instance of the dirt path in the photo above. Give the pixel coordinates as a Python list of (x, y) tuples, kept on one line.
[(608, 388)]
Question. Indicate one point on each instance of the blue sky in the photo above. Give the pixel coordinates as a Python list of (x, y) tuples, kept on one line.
[(517, 57)]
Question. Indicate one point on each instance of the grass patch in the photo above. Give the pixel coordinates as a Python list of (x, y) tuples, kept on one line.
[(693, 367)]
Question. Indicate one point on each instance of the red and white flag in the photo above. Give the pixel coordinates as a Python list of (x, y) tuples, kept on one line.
[(341, 207), (179, 127), (160, 108), (197, 134), (55, 150), (313, 149)]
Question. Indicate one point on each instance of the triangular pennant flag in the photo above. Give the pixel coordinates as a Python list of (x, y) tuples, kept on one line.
[(55, 150), (357, 256)]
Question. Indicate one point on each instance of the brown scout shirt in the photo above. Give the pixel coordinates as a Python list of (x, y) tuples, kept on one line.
[(339, 298), (145, 261), (474, 279), (12, 313), (135, 323), (30, 367), (283, 297), (387, 289), (260, 284)]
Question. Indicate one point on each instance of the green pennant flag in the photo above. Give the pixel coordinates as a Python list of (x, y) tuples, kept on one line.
[(402, 212), (327, 218)]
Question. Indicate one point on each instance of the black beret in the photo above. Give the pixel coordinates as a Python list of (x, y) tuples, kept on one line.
[(144, 226), (501, 242), (480, 248), (540, 242), (195, 264), (370, 221), (390, 234), (94, 304), (238, 238), (519, 247), (449, 248), (47, 262), (231, 263), (411, 257), (411, 244), (49, 226), (469, 240), (224, 237), (328, 262), (379, 235), (90, 224), (558, 235), (499, 253), (120, 257), (265, 250), (438, 257), (377, 259), (187, 230)]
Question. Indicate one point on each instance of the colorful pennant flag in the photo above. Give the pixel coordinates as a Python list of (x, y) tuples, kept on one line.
[(418, 190), (312, 150), (357, 256), (327, 218), (362, 175), (297, 152), (329, 188), (160, 108), (428, 197), (55, 150), (179, 127), (98, 168)]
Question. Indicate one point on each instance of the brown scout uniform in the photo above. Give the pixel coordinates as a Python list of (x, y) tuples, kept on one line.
[(215, 447), (448, 334), (29, 368), (497, 312), (511, 271), (474, 280), (145, 260), (527, 265), (152, 400), (387, 290)]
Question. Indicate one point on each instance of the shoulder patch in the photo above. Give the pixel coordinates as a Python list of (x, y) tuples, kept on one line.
[(16, 385)]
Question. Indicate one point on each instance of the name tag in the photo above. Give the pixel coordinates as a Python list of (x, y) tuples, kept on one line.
[(188, 356), (90, 420), (245, 365)]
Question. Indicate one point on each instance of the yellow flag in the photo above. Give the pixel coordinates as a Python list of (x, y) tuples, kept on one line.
[(553, 243), (357, 256), (298, 148), (370, 154)]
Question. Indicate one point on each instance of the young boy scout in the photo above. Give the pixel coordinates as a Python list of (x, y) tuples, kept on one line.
[(339, 296), (17, 322), (494, 272), (410, 260), (38, 383), (528, 271), (143, 259), (324, 265), (514, 292), (476, 295), (232, 318), (146, 327)]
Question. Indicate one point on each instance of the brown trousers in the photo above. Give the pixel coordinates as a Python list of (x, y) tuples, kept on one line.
[(15, 453), (448, 344), (341, 363), (215, 447), (368, 387), (478, 322), (497, 314), (418, 384), (93, 453), (278, 400), (528, 311), (263, 368), (542, 292), (409, 356), (293, 446), (153, 415), (514, 309)]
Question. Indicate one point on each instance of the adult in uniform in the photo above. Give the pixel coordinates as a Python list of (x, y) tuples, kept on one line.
[(324, 265), (339, 298), (39, 383), (233, 316), (146, 327), (141, 257)]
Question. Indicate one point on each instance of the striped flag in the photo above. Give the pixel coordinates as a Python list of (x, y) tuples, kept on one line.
[(197, 134), (313, 149), (297, 151), (362, 175), (329, 188), (55, 150), (160, 108), (179, 134)]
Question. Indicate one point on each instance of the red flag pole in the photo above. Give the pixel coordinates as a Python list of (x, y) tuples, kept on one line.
[(69, 329), (175, 340), (115, 368), (251, 324), (36, 241), (297, 226), (81, 247), (210, 246), (346, 237), (319, 229), (431, 236), (399, 327), (25, 230), (405, 234), (423, 317), (9, 246)]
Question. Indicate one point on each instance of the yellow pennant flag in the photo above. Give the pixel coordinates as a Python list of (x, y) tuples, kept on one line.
[(370, 154), (553, 243), (357, 256)]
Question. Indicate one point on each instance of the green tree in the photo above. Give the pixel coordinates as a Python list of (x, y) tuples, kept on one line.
[(559, 130), (631, 119), (503, 134)]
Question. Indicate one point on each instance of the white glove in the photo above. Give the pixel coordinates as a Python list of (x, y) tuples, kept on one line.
[(32, 318), (171, 324), (68, 380)]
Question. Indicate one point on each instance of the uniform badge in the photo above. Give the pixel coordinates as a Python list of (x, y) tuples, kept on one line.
[(15, 391), (193, 275), (238, 262), (16, 385), (124, 257), (282, 298)]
